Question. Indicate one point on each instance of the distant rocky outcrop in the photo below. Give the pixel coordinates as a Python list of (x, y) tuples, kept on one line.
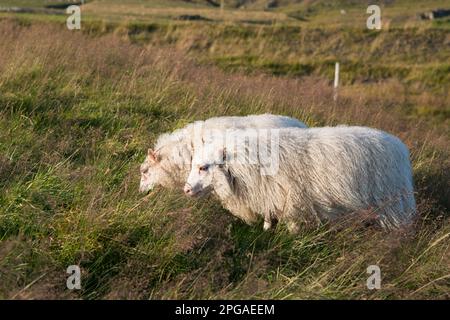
[(435, 14), (271, 4), (30, 10), (192, 17)]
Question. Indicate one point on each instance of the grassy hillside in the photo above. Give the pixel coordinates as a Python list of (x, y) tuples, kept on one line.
[(415, 57), (79, 109), (307, 13)]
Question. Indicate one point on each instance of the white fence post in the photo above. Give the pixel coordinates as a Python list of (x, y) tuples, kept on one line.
[(336, 81)]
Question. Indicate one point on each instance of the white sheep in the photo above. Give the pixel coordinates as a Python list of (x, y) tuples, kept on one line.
[(321, 173), (169, 163)]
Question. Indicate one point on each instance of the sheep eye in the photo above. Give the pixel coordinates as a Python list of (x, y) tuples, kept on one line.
[(204, 168), (144, 170)]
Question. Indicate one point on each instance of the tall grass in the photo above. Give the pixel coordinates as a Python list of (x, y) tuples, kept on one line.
[(77, 114)]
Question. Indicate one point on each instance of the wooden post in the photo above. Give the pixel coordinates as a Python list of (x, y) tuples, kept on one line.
[(336, 81)]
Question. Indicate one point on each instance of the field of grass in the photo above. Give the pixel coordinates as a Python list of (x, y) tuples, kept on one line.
[(78, 110), (308, 14)]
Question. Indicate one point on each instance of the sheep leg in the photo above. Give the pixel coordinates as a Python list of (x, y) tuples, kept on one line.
[(267, 222)]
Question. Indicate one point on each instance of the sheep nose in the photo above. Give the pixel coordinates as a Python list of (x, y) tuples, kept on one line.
[(187, 189)]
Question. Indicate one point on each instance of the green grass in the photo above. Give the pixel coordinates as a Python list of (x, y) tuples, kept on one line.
[(79, 109), (27, 3)]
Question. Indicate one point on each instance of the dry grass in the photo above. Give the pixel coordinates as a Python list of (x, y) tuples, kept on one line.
[(139, 12), (77, 114)]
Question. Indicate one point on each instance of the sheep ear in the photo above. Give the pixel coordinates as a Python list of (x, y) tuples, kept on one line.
[(153, 157)]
